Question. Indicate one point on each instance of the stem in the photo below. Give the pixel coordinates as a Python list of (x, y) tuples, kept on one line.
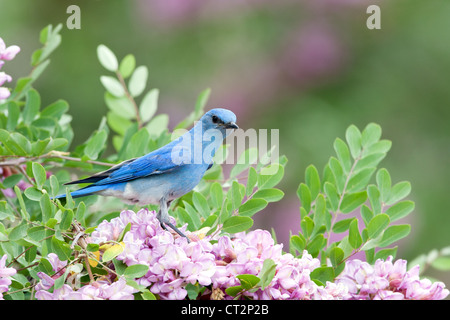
[(133, 102), (52, 154), (342, 195)]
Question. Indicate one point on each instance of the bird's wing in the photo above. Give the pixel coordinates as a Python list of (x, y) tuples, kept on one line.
[(156, 162)]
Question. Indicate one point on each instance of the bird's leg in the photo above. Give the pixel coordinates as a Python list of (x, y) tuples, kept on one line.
[(164, 220)]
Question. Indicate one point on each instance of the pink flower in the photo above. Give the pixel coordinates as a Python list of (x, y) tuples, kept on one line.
[(8, 53), (4, 77), (388, 281), (4, 93), (5, 276)]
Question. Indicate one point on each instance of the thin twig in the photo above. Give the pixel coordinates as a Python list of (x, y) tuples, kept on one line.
[(127, 93)]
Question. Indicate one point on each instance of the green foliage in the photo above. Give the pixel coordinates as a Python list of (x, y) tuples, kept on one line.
[(34, 145), (352, 185), (350, 197)]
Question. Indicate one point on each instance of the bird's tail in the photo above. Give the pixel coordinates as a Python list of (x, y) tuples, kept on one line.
[(86, 191)]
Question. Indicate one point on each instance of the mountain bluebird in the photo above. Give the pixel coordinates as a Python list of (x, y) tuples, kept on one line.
[(166, 173)]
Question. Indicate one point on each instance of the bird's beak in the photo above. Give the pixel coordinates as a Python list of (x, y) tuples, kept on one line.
[(231, 125)]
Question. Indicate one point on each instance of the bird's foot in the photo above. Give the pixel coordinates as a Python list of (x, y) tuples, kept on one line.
[(164, 225)]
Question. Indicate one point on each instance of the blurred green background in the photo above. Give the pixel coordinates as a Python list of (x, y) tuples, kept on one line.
[(309, 68)]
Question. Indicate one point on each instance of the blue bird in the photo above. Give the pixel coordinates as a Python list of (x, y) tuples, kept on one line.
[(166, 173)]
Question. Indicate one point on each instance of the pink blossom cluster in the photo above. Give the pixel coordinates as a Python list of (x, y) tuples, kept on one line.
[(6, 53), (214, 263), (5, 276), (174, 263), (388, 281), (246, 253), (98, 290)]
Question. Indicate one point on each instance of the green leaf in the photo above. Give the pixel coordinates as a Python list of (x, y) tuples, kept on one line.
[(12, 180), (216, 193), (107, 58), (354, 238), (360, 180), (23, 209), (377, 225), (184, 217), (55, 110), (320, 211), (400, 210), (112, 252), (237, 224), (92, 247), (338, 173), (236, 197), (124, 231), (61, 248), (149, 104), (332, 195), (157, 125), (307, 225), (201, 102), (17, 144), (96, 144), (113, 86), (374, 198), (13, 116), (394, 233), (371, 160), (138, 81), (138, 143), (296, 243), (127, 65), (336, 256), (248, 281), (384, 184), (121, 106), (32, 106), (37, 233), (66, 220), (252, 179), (270, 195), (342, 225), (316, 244), (370, 135), (201, 204), (382, 146), (270, 176), (366, 214), (39, 174), (304, 195), (312, 181), (323, 274), (351, 201), (47, 207), (385, 253), (118, 123), (267, 273), (136, 271), (441, 263), (353, 137), (234, 290), (252, 206), (18, 232), (398, 192), (343, 154)]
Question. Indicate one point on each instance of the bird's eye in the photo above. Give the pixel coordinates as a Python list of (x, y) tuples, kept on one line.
[(215, 119)]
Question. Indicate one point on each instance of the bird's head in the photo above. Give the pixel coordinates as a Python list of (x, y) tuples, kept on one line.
[(219, 118)]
